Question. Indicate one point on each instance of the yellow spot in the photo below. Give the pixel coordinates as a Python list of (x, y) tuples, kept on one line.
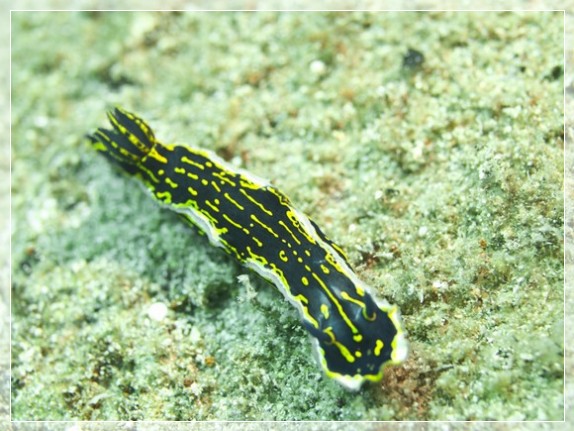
[(345, 352), (283, 256), (161, 171), (358, 354), (325, 269), (215, 186), (193, 176), (325, 311), (308, 253), (192, 191), (259, 243), (357, 337), (300, 259), (99, 146), (378, 347), (172, 184), (134, 140), (204, 182), (305, 281)]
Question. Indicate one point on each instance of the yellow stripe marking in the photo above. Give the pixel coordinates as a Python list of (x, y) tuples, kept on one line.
[(265, 210), (131, 137), (150, 173), (361, 304), (303, 301), (336, 302), (233, 201), (344, 351), (346, 297), (237, 225), (292, 214), (263, 225), (210, 205), (249, 185), (155, 155), (289, 230), (187, 160), (224, 179), (352, 360)]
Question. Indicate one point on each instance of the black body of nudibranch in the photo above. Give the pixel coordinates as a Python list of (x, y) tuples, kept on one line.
[(355, 334)]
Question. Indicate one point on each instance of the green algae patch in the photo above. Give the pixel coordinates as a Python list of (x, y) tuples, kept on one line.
[(429, 146)]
